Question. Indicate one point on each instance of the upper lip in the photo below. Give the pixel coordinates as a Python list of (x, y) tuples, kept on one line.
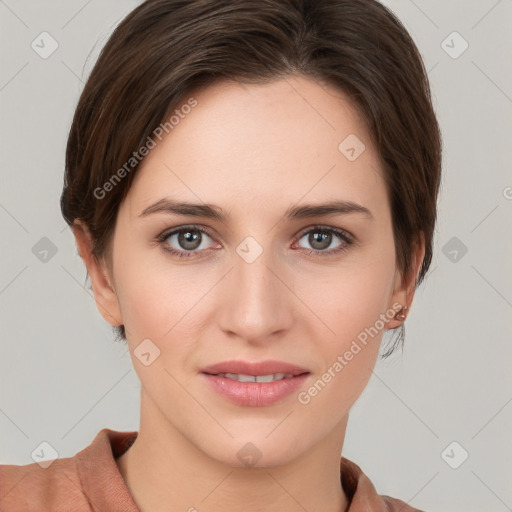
[(256, 368)]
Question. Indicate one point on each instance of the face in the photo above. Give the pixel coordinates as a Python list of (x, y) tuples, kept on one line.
[(257, 272)]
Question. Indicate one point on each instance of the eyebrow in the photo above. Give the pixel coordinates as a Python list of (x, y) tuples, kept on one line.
[(171, 206)]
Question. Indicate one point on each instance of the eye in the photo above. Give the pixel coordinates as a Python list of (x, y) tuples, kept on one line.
[(321, 239), (185, 241), (188, 241)]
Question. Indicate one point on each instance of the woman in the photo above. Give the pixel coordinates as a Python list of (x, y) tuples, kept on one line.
[(252, 186)]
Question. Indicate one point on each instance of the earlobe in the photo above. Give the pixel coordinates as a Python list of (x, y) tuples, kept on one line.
[(405, 287), (399, 303), (104, 293)]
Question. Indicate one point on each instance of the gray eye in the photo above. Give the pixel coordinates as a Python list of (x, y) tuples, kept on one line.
[(321, 239), (188, 239)]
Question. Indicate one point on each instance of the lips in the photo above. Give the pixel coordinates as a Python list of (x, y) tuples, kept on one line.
[(244, 383)]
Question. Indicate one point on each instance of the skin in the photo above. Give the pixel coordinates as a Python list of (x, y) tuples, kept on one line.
[(253, 150)]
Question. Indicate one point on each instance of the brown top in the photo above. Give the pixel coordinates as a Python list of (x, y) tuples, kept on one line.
[(91, 482)]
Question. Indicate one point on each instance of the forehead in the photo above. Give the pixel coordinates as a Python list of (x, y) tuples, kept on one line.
[(263, 144)]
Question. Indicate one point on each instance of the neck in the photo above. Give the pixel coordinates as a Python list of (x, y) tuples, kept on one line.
[(163, 467)]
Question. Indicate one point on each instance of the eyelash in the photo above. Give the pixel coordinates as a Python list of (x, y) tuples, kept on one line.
[(346, 238)]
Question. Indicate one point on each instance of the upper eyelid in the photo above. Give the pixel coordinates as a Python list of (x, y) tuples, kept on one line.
[(322, 227), (172, 231)]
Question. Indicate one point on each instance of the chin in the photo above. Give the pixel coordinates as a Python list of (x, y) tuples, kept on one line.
[(256, 451)]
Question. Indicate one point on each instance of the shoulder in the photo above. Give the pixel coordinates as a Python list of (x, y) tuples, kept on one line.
[(88, 481), (362, 494), (32, 487), (395, 505)]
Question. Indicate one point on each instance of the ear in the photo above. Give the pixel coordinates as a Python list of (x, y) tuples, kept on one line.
[(405, 286), (104, 293)]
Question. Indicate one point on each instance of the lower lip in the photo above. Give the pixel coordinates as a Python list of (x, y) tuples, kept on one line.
[(255, 394)]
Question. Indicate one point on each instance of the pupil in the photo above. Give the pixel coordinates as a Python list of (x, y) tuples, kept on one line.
[(188, 240), (314, 240)]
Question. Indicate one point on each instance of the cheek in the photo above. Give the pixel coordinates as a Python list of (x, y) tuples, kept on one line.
[(160, 305), (355, 297), (152, 302), (349, 354), (355, 307), (160, 300)]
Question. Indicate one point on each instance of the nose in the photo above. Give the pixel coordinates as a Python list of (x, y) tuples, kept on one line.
[(257, 304)]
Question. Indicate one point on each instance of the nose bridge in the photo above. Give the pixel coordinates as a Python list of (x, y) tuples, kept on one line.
[(255, 304)]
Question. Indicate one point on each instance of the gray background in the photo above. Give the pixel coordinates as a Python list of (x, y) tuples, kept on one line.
[(62, 377)]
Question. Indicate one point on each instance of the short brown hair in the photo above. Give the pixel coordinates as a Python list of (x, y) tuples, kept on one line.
[(166, 48)]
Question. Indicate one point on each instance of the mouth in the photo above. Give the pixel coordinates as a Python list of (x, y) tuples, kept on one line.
[(278, 369), (241, 377), (254, 384)]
